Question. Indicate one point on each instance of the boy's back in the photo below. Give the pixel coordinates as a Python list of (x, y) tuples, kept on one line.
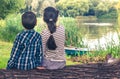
[(26, 53)]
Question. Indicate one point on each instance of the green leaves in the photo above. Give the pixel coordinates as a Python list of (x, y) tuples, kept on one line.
[(10, 6), (72, 31), (72, 7)]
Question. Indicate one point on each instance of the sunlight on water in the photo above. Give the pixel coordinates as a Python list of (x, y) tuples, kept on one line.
[(110, 38), (99, 24), (99, 34)]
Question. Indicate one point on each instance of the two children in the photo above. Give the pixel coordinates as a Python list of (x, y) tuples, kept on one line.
[(27, 50)]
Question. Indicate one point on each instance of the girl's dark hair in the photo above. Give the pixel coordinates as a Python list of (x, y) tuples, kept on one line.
[(29, 20), (50, 17)]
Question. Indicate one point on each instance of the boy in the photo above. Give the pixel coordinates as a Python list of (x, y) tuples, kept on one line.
[(27, 52)]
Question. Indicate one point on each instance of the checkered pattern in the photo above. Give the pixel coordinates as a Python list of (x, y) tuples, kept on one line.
[(26, 53)]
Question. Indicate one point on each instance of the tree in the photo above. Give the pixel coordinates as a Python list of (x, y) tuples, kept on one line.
[(37, 6), (103, 7), (45, 4), (72, 7), (10, 6)]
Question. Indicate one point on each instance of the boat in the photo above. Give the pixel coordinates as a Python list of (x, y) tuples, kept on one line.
[(76, 51)]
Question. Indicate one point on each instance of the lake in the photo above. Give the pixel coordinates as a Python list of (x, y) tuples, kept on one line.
[(99, 33)]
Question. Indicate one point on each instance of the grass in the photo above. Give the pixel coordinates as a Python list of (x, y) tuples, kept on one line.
[(70, 61), (5, 48)]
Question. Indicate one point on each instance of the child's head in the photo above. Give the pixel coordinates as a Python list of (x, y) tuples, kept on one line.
[(50, 15), (29, 20)]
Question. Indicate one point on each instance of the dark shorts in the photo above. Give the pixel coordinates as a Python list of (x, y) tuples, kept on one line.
[(48, 64)]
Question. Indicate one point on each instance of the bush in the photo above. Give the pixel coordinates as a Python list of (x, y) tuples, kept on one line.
[(110, 15), (12, 28), (2, 23), (72, 32), (9, 33)]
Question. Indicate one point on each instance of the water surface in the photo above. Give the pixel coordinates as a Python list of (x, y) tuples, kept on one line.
[(99, 34)]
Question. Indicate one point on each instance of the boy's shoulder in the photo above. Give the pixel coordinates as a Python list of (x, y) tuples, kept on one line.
[(24, 32), (27, 35), (37, 33), (28, 31)]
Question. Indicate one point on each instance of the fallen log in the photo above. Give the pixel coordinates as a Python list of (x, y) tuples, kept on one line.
[(83, 71)]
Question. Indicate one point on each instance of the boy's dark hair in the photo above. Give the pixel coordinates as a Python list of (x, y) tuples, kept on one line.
[(29, 20), (50, 17)]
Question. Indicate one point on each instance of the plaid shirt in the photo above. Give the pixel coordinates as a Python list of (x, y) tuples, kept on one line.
[(27, 52)]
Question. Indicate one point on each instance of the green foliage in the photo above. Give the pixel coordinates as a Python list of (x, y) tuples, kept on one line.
[(72, 7), (110, 15), (13, 26), (2, 23), (72, 31), (9, 33), (10, 6), (118, 11), (102, 7), (5, 48)]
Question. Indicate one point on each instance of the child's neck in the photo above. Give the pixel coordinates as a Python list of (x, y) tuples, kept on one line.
[(28, 29)]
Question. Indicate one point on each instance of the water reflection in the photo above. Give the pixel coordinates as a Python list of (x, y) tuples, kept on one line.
[(111, 38), (99, 35)]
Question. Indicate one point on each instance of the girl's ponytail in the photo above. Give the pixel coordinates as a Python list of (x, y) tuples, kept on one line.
[(50, 17)]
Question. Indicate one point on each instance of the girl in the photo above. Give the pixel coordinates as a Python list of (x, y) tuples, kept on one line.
[(53, 40)]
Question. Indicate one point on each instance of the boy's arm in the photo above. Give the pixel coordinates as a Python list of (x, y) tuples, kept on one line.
[(39, 54), (14, 54)]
